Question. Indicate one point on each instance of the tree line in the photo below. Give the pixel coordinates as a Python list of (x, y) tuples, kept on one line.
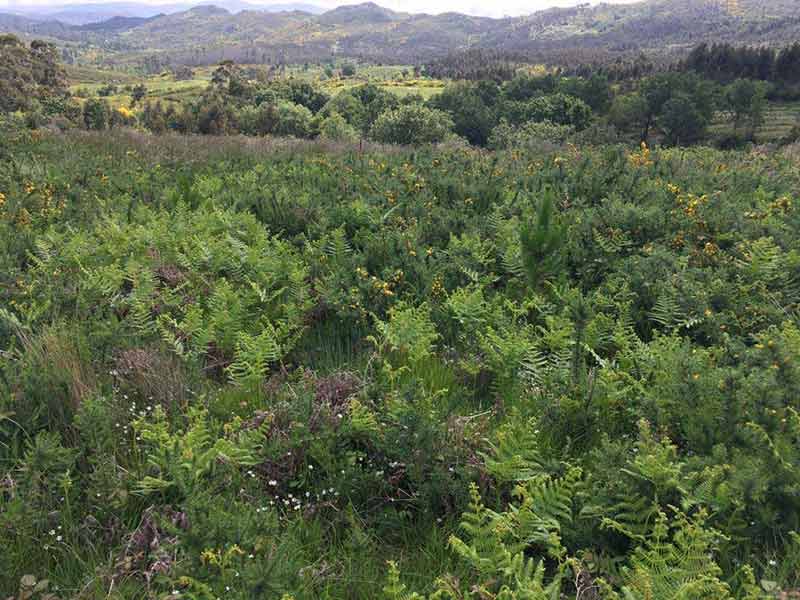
[(675, 107), (726, 62)]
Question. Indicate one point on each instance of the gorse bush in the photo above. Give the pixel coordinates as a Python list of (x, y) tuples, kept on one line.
[(239, 368)]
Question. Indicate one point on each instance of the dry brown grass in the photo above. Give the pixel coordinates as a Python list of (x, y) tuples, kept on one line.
[(792, 152), (189, 148), (55, 351), (152, 374)]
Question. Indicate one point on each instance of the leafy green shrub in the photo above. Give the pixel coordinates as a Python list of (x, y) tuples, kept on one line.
[(96, 114), (560, 109), (411, 125), (336, 128), (532, 136)]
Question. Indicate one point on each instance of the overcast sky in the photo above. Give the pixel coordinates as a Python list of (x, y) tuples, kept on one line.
[(494, 8)]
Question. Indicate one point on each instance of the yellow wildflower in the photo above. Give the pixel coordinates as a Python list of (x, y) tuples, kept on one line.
[(125, 112), (641, 158), (24, 218)]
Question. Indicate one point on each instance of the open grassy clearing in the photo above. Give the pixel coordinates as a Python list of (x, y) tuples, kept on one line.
[(87, 81), (779, 120)]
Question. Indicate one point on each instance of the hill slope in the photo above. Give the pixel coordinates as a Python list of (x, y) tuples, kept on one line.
[(206, 34)]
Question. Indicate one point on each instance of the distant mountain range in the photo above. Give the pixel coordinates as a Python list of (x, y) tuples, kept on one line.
[(82, 14), (160, 35)]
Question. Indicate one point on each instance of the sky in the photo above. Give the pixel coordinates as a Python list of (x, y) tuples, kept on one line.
[(492, 8)]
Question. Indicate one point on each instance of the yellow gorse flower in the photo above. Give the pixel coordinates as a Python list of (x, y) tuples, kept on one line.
[(642, 157), (125, 112)]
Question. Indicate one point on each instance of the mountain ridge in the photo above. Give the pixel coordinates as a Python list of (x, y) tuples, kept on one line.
[(206, 33), (84, 14)]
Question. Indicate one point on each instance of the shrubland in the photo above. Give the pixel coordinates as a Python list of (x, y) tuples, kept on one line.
[(238, 367), (713, 97)]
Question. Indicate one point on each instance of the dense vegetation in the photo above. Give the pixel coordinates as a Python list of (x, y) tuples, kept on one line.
[(28, 72), (676, 107), (727, 62), (239, 368), (348, 331)]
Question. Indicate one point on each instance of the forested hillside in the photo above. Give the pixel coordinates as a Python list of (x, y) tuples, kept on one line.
[(206, 35)]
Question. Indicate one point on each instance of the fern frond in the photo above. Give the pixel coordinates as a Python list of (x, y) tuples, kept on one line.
[(515, 456), (253, 356)]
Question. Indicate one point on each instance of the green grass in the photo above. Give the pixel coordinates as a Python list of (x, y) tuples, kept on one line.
[(164, 87), (86, 81), (779, 119)]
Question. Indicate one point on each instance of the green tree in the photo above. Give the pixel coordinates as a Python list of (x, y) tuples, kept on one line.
[(292, 120), (787, 66), (656, 92), (361, 106), (542, 242), (28, 73), (524, 87), (630, 113), (681, 120), (745, 99), (228, 78), (137, 94), (375, 101), (96, 114), (412, 125), (531, 136), (213, 116), (298, 92), (349, 107), (281, 118), (335, 127), (183, 73), (594, 90), (473, 118), (558, 108), (153, 117), (695, 94)]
